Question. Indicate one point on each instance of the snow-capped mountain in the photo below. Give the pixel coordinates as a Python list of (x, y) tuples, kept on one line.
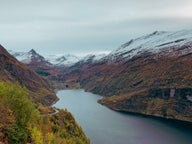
[(29, 57), (32, 56), (64, 60), (156, 42)]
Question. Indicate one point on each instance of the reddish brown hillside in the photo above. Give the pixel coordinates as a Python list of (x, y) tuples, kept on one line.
[(16, 72)]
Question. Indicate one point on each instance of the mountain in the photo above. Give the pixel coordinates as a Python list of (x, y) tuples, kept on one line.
[(156, 42), (65, 60), (150, 75), (11, 70), (37, 62), (30, 58)]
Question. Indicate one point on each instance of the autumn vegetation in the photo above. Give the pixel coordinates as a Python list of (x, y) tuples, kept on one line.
[(26, 115), (21, 121)]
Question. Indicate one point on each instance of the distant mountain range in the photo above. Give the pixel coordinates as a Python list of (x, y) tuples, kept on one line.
[(32, 57)]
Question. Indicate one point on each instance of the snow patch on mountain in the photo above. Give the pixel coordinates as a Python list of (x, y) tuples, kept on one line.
[(92, 57), (69, 60), (61, 60), (24, 57)]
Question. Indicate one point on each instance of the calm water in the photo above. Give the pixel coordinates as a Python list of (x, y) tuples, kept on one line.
[(104, 126)]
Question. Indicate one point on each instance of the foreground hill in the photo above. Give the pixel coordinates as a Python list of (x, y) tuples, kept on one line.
[(151, 75)]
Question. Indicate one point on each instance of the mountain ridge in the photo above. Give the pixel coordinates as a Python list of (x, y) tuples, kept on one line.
[(154, 43), (66, 60)]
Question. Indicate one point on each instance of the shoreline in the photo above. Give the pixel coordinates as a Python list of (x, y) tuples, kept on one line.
[(176, 122)]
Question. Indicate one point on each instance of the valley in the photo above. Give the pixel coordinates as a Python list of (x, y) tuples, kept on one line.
[(150, 75), (96, 72)]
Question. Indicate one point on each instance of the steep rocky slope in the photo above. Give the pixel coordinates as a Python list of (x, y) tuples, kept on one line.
[(16, 72), (151, 75)]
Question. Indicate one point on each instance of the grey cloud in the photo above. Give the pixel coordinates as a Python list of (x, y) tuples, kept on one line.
[(71, 26)]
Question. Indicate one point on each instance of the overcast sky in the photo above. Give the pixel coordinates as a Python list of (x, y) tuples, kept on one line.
[(86, 26)]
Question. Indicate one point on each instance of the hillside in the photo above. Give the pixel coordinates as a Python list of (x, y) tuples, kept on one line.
[(16, 72), (26, 115), (150, 75)]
